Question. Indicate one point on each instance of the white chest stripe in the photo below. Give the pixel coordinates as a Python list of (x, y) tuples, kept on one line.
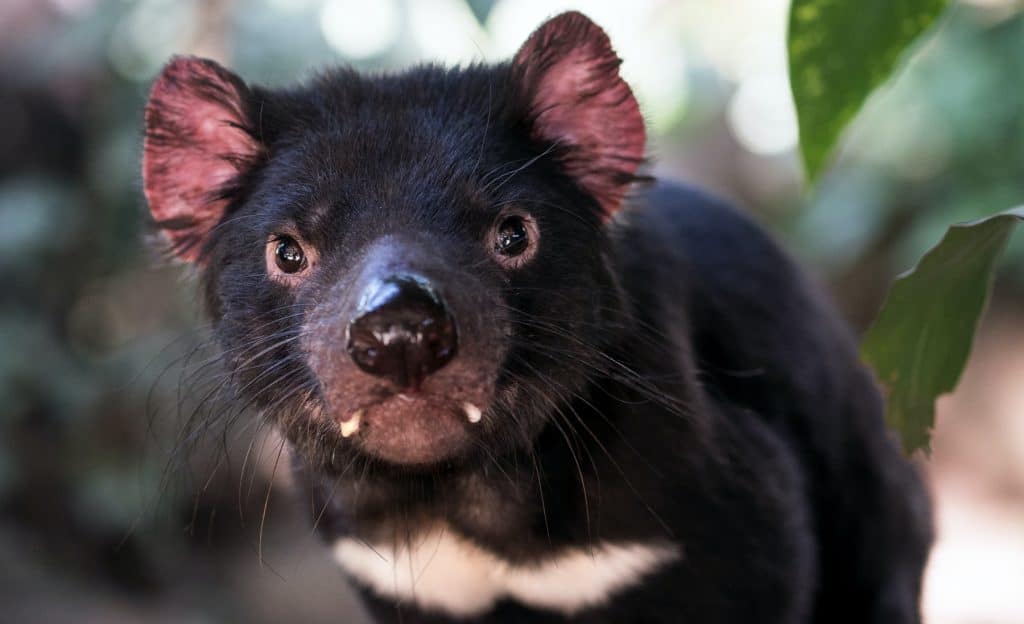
[(442, 571)]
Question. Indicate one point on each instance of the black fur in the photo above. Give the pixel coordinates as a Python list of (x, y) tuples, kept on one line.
[(668, 374)]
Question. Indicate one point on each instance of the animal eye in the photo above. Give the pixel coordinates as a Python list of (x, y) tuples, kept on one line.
[(289, 255), (514, 240), (513, 237)]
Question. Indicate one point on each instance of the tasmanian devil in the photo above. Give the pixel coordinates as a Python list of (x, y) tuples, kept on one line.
[(523, 382)]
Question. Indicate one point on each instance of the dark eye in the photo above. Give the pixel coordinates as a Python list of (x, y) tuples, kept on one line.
[(513, 237), (289, 255)]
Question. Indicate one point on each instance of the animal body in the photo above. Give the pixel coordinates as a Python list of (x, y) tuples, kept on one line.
[(523, 382)]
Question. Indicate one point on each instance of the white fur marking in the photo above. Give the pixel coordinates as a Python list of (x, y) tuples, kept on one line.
[(442, 571)]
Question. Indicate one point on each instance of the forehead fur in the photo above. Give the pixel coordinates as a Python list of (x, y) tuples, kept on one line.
[(412, 142), (424, 115)]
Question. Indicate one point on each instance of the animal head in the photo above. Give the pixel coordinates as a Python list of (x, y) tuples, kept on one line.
[(408, 268)]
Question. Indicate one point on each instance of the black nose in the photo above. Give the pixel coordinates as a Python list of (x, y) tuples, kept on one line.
[(403, 331)]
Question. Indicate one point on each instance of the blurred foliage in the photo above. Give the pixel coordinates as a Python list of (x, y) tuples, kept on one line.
[(940, 144), (839, 51), (95, 330), (918, 345)]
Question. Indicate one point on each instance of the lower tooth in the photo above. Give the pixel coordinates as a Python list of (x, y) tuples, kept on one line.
[(473, 412), (350, 426)]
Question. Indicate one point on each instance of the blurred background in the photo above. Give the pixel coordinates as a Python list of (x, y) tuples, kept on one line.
[(97, 337)]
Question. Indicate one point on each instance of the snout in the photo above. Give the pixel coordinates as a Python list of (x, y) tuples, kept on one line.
[(403, 331), (406, 347)]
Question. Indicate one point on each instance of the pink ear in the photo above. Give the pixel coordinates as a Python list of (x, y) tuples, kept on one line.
[(198, 142), (578, 100)]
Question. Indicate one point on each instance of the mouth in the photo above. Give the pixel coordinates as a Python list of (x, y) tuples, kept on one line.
[(349, 425), (412, 429)]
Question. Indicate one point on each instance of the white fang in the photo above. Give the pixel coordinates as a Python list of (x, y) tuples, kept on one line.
[(350, 426), (442, 571), (473, 412)]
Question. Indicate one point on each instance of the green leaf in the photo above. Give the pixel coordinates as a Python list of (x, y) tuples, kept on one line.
[(839, 51), (919, 344)]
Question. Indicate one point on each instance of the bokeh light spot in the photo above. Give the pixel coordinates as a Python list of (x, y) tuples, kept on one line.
[(358, 29)]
